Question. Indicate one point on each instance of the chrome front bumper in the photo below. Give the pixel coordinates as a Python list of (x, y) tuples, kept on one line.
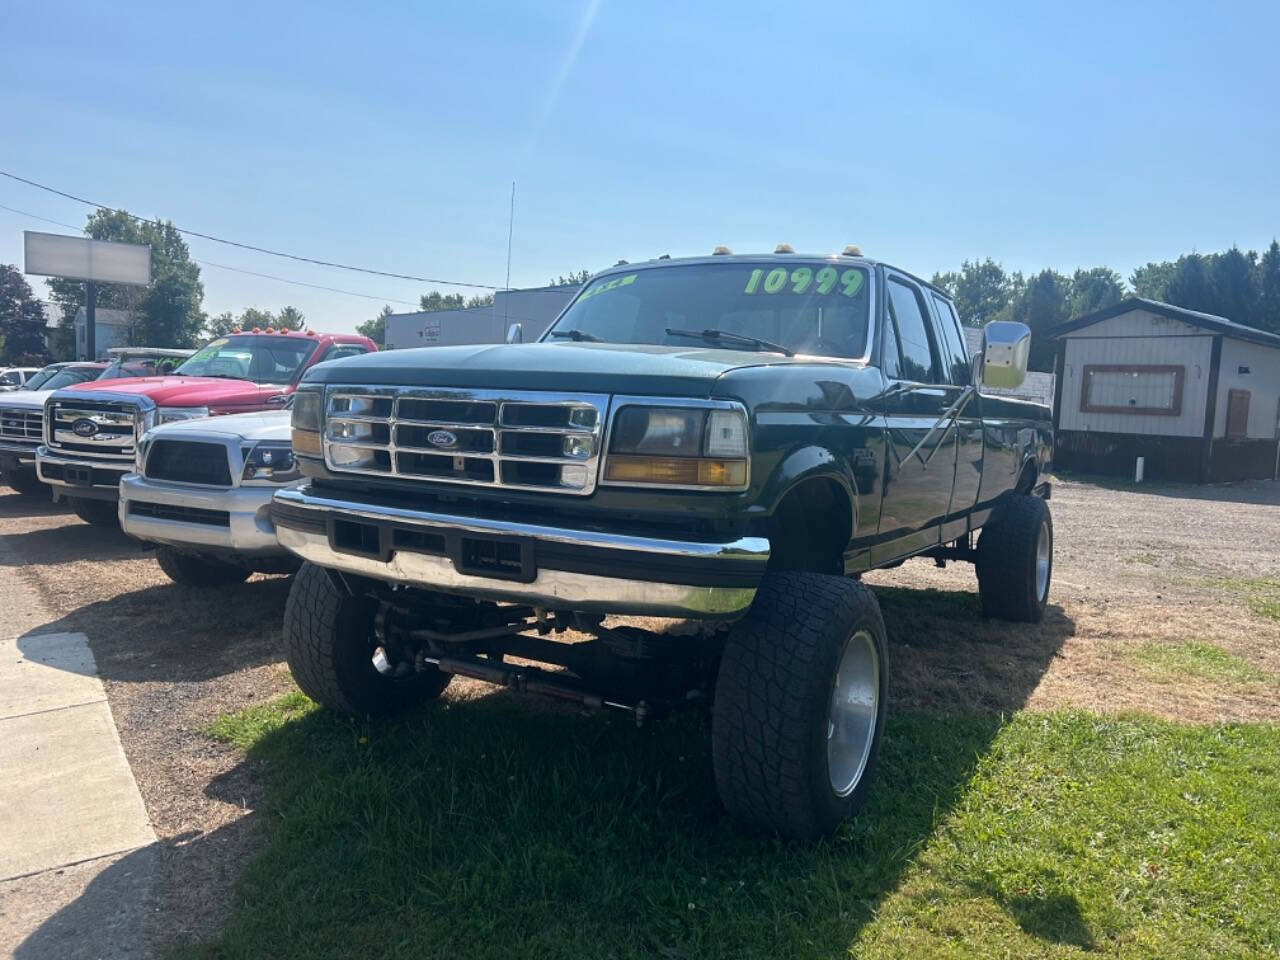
[(563, 569), (247, 530), (103, 477)]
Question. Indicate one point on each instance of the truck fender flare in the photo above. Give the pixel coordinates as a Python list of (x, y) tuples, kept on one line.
[(811, 463)]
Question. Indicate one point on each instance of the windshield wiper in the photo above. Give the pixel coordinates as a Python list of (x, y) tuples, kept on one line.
[(728, 337), (579, 336), (218, 376)]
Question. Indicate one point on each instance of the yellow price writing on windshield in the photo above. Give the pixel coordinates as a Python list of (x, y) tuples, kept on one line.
[(801, 279), (609, 285)]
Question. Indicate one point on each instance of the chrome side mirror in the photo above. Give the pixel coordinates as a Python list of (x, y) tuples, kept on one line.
[(515, 333), (1006, 349)]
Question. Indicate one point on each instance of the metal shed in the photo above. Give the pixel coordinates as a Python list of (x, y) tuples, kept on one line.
[(1196, 395)]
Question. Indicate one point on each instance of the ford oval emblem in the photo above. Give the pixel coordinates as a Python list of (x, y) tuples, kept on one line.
[(84, 427), (443, 439)]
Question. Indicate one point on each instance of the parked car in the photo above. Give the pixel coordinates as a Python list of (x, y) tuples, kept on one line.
[(15, 378), (202, 490), (21, 417), (729, 438), (91, 430)]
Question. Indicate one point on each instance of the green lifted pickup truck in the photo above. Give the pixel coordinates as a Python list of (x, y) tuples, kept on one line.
[(728, 439)]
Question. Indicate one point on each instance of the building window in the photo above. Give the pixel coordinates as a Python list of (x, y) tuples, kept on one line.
[(1151, 390), (1237, 414)]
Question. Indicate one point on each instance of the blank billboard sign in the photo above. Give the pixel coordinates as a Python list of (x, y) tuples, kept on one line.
[(79, 258)]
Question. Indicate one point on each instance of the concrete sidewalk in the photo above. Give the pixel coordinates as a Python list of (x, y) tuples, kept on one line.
[(75, 841)]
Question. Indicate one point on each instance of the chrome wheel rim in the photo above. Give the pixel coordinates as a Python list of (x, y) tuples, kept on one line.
[(1044, 552), (853, 712)]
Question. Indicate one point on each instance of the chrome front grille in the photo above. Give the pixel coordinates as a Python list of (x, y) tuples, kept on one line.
[(99, 427), (21, 425), (512, 439)]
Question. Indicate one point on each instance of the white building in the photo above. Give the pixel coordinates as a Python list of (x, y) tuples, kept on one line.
[(111, 328), (533, 308), (1197, 396)]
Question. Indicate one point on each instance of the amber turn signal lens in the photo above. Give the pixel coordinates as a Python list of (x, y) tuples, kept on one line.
[(685, 471), (305, 443)]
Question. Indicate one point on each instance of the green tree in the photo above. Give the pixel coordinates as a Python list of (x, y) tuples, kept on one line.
[(167, 313), (1268, 283), (221, 325), (435, 300), (1152, 280), (572, 280), (376, 328), (1191, 284), (290, 318), (484, 300), (1042, 304), (1235, 284), (1093, 290), (981, 289), (22, 325)]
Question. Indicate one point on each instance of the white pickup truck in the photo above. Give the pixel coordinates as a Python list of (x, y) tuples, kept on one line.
[(202, 492)]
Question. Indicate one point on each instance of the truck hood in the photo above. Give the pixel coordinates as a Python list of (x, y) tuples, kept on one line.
[(24, 399), (265, 425), (214, 392), (642, 369)]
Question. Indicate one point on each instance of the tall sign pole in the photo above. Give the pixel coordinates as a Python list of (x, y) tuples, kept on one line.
[(93, 261), (90, 320)]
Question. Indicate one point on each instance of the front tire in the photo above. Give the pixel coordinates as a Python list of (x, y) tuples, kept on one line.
[(329, 643), (1015, 560), (98, 513), (193, 571), (800, 705)]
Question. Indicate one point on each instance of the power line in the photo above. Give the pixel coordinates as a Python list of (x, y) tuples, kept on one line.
[(253, 247), (223, 266)]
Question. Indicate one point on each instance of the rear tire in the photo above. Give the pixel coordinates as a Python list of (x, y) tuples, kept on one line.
[(800, 705), (329, 643), (27, 483), (1015, 560), (193, 571), (99, 513)]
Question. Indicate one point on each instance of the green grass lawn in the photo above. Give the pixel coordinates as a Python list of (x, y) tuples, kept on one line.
[(488, 828)]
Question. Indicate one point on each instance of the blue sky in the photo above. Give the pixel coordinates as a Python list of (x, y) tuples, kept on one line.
[(387, 136)]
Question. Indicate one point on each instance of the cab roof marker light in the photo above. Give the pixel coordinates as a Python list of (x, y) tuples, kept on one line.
[(721, 251), (784, 248), (851, 250)]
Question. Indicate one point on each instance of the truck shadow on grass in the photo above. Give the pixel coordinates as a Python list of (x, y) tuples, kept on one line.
[(182, 634), (485, 826)]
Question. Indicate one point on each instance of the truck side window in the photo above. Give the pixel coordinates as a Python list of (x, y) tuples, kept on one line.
[(338, 350), (955, 353), (907, 313)]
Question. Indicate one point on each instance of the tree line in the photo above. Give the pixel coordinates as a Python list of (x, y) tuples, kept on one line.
[(1242, 287)]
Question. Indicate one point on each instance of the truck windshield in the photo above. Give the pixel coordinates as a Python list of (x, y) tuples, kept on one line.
[(816, 307), (262, 359), (68, 376)]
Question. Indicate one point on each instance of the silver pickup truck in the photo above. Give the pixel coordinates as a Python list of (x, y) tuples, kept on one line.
[(202, 492)]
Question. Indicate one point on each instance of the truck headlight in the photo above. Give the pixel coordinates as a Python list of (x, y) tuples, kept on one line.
[(271, 460), (686, 446), (307, 409), (172, 414)]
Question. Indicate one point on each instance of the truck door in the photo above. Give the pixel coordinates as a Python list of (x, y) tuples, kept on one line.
[(918, 478), (968, 425)]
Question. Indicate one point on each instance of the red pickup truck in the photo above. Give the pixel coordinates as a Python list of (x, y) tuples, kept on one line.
[(91, 430)]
